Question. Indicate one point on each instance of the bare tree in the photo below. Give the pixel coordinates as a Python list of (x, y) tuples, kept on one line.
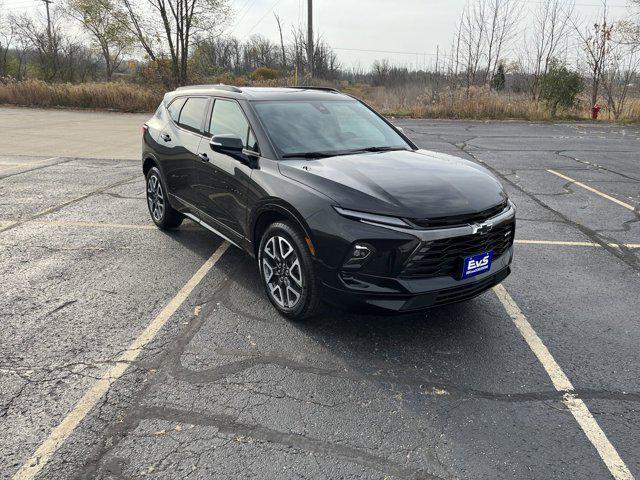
[(619, 72), (503, 18), (550, 30), (7, 37), (20, 47), (169, 27), (108, 25), (44, 41), (596, 43), (454, 66), (472, 37), (284, 54), (630, 26)]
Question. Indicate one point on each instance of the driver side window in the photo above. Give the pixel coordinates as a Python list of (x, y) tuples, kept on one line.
[(227, 118)]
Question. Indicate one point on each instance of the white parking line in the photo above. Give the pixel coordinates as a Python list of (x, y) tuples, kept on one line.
[(574, 244), (561, 382), (59, 434), (593, 190)]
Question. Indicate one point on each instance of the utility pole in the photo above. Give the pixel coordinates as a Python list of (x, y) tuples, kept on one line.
[(47, 2), (310, 49)]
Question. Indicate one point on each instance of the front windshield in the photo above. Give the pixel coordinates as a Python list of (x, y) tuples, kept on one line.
[(306, 127)]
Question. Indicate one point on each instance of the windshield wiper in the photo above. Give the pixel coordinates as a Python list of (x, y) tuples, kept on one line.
[(308, 155), (340, 152), (317, 154), (380, 149)]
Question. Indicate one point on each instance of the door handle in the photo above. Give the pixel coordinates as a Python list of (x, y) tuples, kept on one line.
[(203, 156), (166, 137)]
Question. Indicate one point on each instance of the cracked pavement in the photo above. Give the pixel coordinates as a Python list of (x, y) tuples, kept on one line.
[(230, 390)]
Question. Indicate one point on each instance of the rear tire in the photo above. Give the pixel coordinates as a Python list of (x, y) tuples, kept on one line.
[(162, 214), (287, 273)]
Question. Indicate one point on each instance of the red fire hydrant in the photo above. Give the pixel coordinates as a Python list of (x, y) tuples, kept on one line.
[(595, 110)]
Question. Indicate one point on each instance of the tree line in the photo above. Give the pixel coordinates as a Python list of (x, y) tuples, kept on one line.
[(174, 42)]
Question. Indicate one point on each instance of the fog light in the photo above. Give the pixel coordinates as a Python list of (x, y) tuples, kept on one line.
[(358, 255)]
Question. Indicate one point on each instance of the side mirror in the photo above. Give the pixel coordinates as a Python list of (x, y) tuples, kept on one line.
[(227, 143)]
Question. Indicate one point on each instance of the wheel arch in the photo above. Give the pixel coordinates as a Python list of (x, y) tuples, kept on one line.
[(148, 163), (273, 212)]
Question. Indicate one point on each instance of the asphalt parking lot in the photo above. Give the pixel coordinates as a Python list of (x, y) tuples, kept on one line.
[(128, 352)]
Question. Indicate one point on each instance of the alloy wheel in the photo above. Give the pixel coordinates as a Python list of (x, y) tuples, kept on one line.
[(282, 272), (155, 198)]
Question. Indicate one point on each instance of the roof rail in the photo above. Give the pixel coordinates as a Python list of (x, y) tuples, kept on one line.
[(220, 86), (311, 87)]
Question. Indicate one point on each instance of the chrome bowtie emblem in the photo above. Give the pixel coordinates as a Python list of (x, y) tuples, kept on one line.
[(483, 228)]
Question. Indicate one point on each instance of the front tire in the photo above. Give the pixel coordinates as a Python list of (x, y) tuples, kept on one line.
[(286, 270), (162, 214)]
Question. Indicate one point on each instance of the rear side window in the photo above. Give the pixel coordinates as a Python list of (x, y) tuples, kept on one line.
[(227, 118), (174, 109), (192, 113)]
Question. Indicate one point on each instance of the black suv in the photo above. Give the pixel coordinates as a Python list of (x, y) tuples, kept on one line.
[(333, 201)]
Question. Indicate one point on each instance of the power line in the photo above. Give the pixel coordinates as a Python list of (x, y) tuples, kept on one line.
[(245, 3), (264, 16), (535, 2), (394, 52), (233, 27)]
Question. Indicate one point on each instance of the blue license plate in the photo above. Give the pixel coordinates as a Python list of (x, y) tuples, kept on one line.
[(477, 264)]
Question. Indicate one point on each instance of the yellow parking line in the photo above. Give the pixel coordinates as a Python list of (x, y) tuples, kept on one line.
[(593, 190), (11, 166), (71, 223), (561, 382), (135, 226), (54, 208), (575, 244), (90, 399)]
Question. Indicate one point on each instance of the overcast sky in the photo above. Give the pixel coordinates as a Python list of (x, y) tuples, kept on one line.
[(416, 26)]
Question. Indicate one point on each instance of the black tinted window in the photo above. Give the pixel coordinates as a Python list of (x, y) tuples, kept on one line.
[(325, 126), (227, 118), (192, 113), (174, 109)]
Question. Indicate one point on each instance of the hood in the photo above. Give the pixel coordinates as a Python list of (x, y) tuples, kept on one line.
[(412, 184)]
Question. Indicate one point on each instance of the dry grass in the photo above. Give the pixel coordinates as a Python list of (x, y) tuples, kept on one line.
[(476, 104), (479, 103), (100, 96), (404, 101)]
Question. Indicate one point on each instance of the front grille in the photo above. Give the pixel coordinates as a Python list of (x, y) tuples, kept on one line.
[(443, 257), (457, 220)]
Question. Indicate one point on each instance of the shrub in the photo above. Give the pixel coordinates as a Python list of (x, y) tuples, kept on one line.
[(498, 81), (265, 73), (560, 87)]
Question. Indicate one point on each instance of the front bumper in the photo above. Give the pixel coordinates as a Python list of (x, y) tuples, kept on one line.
[(413, 286), (407, 295)]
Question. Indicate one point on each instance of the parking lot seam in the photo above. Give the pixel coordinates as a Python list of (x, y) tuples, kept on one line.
[(99, 389), (55, 208), (39, 166), (561, 382)]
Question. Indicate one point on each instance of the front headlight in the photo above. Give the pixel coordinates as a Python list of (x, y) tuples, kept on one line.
[(372, 218)]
